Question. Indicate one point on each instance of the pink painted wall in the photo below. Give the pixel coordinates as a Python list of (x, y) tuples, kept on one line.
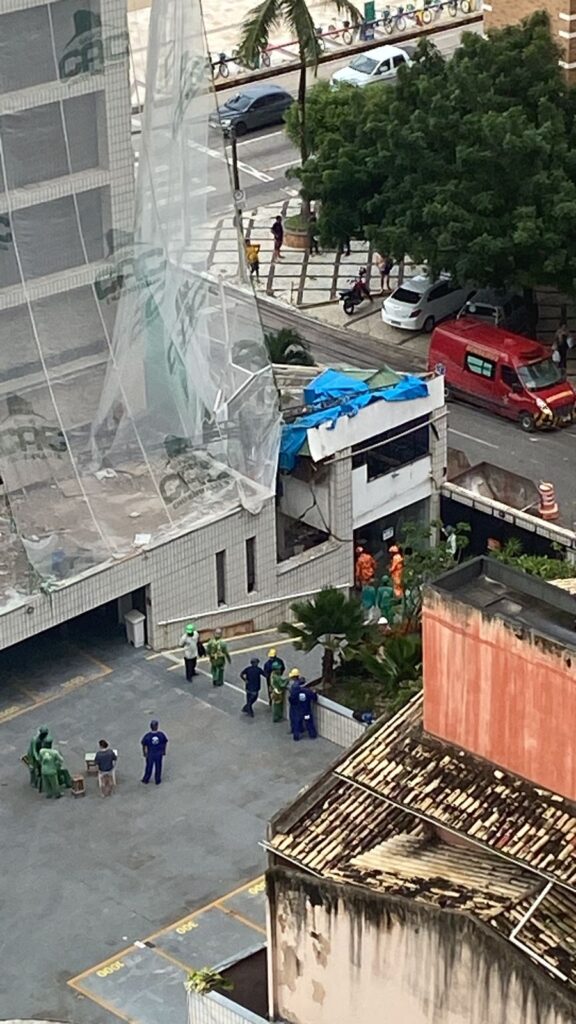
[(510, 700)]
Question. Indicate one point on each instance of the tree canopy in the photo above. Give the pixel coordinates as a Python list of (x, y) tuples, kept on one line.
[(467, 165)]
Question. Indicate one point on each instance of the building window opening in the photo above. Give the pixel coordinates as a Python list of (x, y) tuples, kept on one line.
[(393, 449), (221, 577), (251, 564)]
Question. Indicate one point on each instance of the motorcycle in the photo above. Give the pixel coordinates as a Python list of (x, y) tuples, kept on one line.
[(353, 296)]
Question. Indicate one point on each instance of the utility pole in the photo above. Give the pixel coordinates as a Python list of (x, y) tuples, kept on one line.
[(238, 199)]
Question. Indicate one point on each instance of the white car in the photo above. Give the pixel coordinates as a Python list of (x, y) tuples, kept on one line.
[(419, 303), (378, 65)]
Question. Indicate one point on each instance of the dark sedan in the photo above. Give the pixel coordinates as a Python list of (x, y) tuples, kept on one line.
[(254, 106)]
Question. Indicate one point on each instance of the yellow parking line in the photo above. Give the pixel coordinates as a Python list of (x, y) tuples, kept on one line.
[(101, 1002), (104, 963), (73, 982), (242, 919), (175, 960)]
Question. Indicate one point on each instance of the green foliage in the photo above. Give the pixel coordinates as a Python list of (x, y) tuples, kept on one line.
[(206, 980), (396, 661), (425, 562), (288, 348), (296, 17), (468, 165), (544, 566), (331, 621)]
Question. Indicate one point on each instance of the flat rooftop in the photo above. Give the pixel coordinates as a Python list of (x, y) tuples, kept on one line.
[(524, 601)]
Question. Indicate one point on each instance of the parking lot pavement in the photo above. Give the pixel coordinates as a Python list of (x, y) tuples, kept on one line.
[(86, 877)]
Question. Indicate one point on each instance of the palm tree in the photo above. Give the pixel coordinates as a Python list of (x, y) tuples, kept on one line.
[(268, 15), (287, 347), (330, 620)]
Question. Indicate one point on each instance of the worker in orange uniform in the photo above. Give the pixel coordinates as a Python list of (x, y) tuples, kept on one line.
[(365, 567), (397, 570)]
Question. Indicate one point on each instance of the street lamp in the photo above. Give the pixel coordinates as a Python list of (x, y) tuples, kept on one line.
[(238, 199)]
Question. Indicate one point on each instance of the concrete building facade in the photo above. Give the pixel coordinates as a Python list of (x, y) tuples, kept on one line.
[(499, 13), (429, 874), (241, 570)]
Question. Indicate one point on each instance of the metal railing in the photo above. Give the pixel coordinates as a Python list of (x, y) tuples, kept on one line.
[(393, 24), (391, 21)]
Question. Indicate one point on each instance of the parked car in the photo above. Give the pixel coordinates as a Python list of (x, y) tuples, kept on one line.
[(254, 106), (511, 375), (500, 308), (419, 303), (378, 65)]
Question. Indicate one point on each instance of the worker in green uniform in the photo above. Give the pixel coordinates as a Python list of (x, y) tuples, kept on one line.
[(41, 739), (368, 602), (51, 762), (385, 599), (218, 655), (278, 686)]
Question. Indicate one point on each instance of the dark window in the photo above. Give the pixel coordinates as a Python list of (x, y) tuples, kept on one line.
[(262, 101), (440, 290), (393, 449), (510, 377), (384, 67), (251, 564), (480, 366), (221, 577), (398, 60)]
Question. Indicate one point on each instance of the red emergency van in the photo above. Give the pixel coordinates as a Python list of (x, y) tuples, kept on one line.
[(507, 373)]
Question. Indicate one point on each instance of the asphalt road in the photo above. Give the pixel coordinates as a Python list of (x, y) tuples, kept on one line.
[(482, 436), (265, 156)]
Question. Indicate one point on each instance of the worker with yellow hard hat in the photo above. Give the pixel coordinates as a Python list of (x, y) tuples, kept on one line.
[(268, 668), (300, 700)]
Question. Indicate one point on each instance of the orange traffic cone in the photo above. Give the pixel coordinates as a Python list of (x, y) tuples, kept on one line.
[(548, 507)]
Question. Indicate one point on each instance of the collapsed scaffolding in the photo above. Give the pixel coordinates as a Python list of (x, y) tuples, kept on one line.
[(178, 422)]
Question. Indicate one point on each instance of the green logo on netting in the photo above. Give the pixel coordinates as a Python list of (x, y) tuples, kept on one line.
[(91, 48)]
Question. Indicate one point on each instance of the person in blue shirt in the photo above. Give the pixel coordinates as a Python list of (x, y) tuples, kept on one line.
[(154, 745), (252, 677), (300, 700)]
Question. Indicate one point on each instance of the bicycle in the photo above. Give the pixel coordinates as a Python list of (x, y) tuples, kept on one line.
[(346, 33), (220, 67)]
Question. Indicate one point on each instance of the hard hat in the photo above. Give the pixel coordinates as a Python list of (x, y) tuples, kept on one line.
[(359, 549), (190, 628), (272, 652), (394, 550), (293, 673)]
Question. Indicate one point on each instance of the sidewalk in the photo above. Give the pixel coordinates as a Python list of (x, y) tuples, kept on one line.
[(312, 283)]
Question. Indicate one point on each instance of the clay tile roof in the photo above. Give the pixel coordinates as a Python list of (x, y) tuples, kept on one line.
[(549, 933), (399, 764)]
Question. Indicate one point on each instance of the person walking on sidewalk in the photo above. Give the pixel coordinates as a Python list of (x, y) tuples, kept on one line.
[(189, 641), (313, 234), (218, 655), (154, 746), (106, 760), (253, 258), (277, 230), (252, 677)]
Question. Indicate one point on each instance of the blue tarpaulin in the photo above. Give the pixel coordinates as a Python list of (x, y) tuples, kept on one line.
[(355, 395)]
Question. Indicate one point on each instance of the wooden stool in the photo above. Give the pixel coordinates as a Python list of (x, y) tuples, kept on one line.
[(78, 786)]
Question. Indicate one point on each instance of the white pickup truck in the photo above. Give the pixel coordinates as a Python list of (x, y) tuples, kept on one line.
[(378, 65)]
